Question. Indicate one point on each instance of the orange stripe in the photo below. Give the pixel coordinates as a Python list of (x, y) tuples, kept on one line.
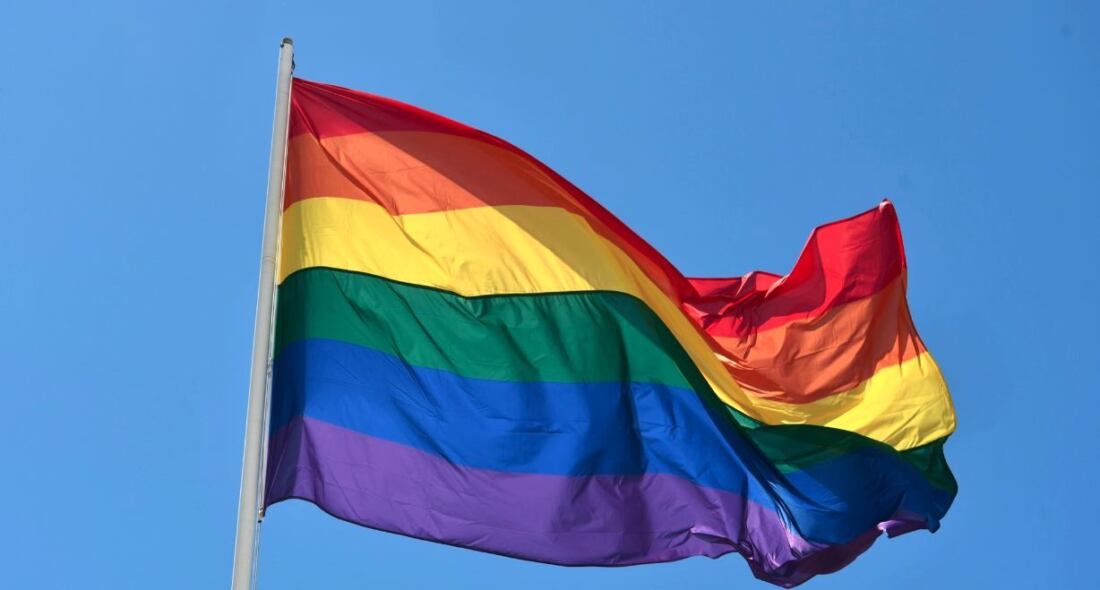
[(416, 172), (808, 359)]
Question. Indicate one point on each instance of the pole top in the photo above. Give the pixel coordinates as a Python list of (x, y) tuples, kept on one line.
[(287, 41)]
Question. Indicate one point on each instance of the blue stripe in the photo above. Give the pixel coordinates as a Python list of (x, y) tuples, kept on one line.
[(584, 429), (528, 427)]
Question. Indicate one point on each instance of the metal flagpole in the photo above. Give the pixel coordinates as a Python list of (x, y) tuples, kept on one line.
[(255, 434)]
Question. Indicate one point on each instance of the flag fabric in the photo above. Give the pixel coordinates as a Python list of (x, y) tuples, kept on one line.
[(470, 350)]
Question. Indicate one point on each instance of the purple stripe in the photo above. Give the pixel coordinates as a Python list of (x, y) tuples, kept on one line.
[(595, 520)]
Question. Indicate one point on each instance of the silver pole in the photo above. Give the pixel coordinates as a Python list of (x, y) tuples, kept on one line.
[(255, 435)]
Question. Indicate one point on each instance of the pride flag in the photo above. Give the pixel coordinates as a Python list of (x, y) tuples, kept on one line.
[(470, 350)]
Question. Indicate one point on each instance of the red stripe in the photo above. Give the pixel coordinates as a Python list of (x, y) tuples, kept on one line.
[(324, 110), (843, 261)]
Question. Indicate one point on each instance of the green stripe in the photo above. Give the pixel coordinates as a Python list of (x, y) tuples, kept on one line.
[(586, 337), (562, 337), (795, 446), (932, 463)]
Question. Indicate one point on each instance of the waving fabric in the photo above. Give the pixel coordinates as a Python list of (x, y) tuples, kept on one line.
[(470, 350)]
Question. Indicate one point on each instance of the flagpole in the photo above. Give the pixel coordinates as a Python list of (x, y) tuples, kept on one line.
[(255, 434)]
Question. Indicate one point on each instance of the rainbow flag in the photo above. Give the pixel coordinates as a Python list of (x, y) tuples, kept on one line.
[(470, 350)]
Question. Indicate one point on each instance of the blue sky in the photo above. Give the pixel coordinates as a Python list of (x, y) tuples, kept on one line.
[(133, 153)]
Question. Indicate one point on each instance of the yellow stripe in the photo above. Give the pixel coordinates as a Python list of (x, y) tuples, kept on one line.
[(525, 249), (905, 405)]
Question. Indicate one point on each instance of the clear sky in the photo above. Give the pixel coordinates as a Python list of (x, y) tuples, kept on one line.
[(133, 153)]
